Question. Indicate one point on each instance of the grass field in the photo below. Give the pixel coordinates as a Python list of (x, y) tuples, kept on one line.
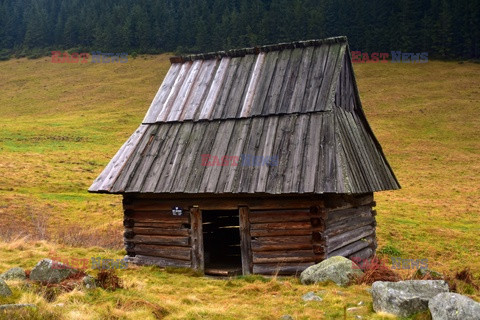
[(61, 123)]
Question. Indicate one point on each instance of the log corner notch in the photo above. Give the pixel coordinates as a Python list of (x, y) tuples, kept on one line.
[(198, 261), (245, 240), (318, 215)]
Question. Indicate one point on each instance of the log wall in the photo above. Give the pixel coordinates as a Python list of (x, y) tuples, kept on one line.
[(277, 238), (156, 237), (350, 228), (281, 241)]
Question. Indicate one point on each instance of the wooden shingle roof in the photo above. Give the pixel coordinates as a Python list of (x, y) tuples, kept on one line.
[(295, 77), (297, 102)]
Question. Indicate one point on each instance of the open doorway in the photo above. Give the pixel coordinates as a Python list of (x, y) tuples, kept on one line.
[(221, 242)]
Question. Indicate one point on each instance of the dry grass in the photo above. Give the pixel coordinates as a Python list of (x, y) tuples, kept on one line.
[(377, 274)]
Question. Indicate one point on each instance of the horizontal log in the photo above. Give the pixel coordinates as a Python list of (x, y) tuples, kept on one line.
[(360, 214), (281, 243), (161, 231), (280, 232), (172, 225), (287, 225), (170, 252), (339, 215), (285, 260), (279, 216), (161, 262), (281, 246), (158, 216), (281, 269), (352, 247), (161, 240), (343, 239), (284, 256), (365, 253), (334, 230), (348, 201), (222, 202)]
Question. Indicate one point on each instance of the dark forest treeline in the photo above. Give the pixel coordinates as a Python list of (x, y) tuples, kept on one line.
[(444, 29)]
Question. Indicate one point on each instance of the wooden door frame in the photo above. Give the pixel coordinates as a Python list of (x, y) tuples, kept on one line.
[(245, 240), (198, 250), (198, 260)]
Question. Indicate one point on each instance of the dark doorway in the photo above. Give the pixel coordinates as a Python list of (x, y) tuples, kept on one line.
[(221, 242)]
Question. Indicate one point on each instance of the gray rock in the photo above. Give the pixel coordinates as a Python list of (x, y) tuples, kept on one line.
[(311, 296), (51, 271), (14, 273), (16, 306), (405, 298), (453, 306), (337, 269), (89, 282), (286, 317), (4, 289)]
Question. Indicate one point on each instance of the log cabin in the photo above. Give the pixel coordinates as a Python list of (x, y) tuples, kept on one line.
[(256, 160)]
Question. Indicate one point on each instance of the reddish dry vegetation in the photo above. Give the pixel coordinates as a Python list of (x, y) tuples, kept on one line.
[(374, 269), (108, 280), (377, 274), (463, 282), (458, 281)]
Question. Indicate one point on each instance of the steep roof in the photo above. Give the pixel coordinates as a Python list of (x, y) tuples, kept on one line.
[(296, 102), (279, 79)]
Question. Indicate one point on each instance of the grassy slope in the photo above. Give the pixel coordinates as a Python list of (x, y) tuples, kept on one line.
[(60, 124)]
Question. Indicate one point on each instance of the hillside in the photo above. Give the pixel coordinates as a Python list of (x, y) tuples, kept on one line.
[(61, 123)]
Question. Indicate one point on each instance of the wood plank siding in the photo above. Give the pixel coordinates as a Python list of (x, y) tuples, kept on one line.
[(281, 239)]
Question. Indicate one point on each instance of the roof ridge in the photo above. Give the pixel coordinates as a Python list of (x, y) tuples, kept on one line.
[(256, 50)]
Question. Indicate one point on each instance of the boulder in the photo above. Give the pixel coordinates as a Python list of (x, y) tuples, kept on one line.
[(51, 271), (453, 306), (4, 289), (337, 269), (286, 317), (14, 273), (311, 296), (405, 298)]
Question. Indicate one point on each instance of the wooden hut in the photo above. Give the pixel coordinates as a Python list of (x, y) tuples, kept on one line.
[(257, 160)]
